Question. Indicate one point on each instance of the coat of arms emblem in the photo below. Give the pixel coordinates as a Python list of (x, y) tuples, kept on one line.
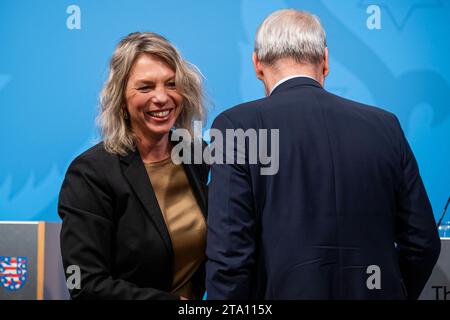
[(13, 272)]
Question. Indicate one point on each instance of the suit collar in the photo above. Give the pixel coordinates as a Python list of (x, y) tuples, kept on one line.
[(295, 82)]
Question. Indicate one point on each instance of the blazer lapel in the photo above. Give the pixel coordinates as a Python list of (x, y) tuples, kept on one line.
[(137, 176)]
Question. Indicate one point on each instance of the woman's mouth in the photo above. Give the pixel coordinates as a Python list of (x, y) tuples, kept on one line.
[(159, 115)]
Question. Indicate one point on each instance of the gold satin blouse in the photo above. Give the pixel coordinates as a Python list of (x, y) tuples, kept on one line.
[(184, 221)]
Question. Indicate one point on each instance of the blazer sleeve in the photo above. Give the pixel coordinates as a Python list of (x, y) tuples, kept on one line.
[(417, 239), (231, 227), (86, 207)]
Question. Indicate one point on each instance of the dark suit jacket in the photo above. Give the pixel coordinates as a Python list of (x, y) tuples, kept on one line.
[(113, 228), (347, 195)]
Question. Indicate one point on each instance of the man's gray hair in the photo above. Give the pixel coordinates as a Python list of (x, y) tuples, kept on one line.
[(290, 33)]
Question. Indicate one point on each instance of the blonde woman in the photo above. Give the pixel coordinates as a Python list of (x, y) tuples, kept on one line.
[(133, 221)]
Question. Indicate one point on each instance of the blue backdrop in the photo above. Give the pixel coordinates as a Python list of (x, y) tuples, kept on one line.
[(51, 74)]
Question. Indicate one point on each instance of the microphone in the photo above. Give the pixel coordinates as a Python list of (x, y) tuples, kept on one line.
[(443, 212)]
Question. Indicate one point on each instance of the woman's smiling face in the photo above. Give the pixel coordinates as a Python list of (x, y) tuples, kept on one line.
[(153, 102)]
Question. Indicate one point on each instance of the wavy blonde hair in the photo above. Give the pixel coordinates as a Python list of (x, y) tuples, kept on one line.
[(115, 128)]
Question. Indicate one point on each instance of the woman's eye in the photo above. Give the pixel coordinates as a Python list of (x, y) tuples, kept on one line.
[(171, 84), (145, 88)]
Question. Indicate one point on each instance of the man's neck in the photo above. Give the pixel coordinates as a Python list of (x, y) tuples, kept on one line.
[(286, 79), (287, 68)]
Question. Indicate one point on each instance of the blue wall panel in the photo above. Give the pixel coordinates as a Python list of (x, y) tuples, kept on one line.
[(50, 76)]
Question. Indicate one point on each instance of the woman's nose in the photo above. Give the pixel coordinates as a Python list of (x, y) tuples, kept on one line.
[(160, 96)]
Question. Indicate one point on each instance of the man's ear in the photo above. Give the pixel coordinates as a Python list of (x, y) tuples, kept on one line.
[(326, 66), (257, 66)]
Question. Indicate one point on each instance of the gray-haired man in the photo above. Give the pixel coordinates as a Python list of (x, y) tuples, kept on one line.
[(345, 217)]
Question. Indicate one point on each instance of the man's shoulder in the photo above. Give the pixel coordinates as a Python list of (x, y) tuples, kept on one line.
[(245, 114), (358, 106), (357, 111), (246, 108), (242, 113)]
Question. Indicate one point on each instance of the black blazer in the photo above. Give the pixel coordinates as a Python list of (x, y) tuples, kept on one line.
[(348, 195), (113, 228)]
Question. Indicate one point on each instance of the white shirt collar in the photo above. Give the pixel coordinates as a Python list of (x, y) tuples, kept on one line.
[(289, 78)]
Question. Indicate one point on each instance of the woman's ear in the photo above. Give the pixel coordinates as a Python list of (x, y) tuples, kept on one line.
[(124, 112)]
